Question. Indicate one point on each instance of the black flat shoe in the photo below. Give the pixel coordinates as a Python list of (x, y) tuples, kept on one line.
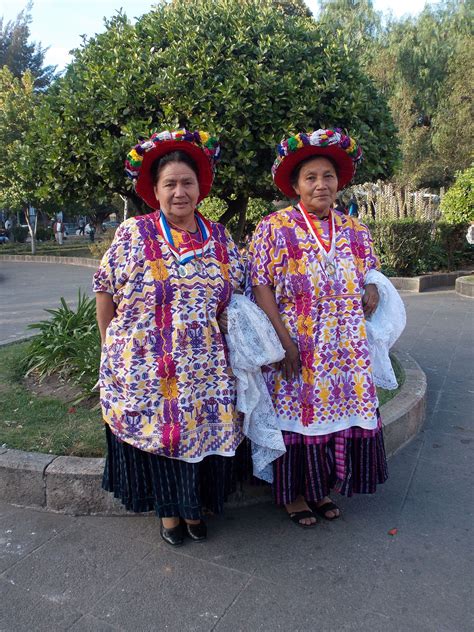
[(196, 532), (174, 536)]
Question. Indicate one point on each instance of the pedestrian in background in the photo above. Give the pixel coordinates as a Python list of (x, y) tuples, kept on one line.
[(353, 208), (58, 229)]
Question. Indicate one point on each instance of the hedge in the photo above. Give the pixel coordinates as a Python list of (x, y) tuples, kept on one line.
[(409, 247)]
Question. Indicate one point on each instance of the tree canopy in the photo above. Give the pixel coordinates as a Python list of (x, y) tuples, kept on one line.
[(17, 104), (424, 66), (248, 71), (19, 54)]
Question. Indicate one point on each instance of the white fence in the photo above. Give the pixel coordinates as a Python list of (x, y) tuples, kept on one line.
[(387, 201)]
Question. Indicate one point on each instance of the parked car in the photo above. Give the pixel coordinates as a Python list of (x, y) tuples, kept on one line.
[(70, 228), (110, 224)]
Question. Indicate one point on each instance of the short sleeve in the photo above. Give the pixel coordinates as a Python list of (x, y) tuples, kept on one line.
[(362, 246), (261, 255), (236, 262), (370, 258), (113, 270)]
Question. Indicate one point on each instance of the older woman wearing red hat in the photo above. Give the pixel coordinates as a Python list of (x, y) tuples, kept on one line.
[(308, 264), (167, 395)]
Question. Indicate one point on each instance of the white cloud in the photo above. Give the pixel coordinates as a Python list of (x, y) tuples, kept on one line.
[(57, 56)]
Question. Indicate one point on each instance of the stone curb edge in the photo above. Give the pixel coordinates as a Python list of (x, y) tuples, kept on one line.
[(465, 286), (408, 284), (72, 485), (72, 261), (428, 281)]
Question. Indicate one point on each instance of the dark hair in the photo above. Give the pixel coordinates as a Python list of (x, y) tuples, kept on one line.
[(295, 174), (174, 156)]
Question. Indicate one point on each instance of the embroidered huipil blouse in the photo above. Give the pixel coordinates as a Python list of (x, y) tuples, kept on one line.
[(324, 316), (165, 382)]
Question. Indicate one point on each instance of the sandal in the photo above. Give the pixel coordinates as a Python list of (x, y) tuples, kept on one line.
[(296, 516), (323, 509)]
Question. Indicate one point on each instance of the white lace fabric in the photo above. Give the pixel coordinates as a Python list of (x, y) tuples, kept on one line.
[(253, 343), (384, 328)]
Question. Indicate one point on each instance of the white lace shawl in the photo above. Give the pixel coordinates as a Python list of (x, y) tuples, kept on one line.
[(253, 343), (383, 328)]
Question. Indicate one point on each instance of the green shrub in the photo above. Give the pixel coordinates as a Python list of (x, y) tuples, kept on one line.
[(409, 247), (402, 245), (20, 233), (67, 344), (99, 248), (43, 233), (450, 240), (214, 207), (257, 209), (457, 204)]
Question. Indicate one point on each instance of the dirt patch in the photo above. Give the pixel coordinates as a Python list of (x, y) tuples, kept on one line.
[(54, 386)]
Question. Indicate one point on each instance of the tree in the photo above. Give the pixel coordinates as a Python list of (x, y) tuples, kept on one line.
[(88, 120), (253, 74), (247, 71), (423, 65), (17, 104), (19, 54), (355, 23), (457, 204), (453, 137)]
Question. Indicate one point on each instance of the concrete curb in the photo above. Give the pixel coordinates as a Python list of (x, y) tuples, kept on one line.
[(72, 261), (409, 284), (404, 415), (428, 281), (465, 286), (72, 485)]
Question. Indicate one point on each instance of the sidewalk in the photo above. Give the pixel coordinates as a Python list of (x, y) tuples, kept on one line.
[(260, 572), (27, 289)]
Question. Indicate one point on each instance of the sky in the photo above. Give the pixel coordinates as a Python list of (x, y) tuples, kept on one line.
[(59, 24)]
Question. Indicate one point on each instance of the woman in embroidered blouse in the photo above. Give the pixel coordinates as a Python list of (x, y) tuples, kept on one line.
[(162, 291), (307, 266)]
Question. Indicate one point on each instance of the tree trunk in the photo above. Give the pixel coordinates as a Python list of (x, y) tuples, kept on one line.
[(139, 204), (32, 230), (125, 206), (236, 207), (239, 233)]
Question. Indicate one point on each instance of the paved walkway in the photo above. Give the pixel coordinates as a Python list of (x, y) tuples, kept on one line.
[(260, 572), (27, 289)]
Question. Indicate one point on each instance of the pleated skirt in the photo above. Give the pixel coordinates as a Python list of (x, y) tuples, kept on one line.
[(146, 482), (350, 462)]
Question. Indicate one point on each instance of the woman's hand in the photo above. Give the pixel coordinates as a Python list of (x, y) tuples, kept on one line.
[(290, 365), (222, 322), (370, 299)]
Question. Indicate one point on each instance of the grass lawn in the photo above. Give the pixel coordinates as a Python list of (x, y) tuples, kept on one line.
[(72, 248), (383, 395), (43, 424)]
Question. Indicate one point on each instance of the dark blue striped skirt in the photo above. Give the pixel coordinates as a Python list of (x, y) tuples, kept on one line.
[(148, 482)]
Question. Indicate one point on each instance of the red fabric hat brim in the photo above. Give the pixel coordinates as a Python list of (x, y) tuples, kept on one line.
[(144, 186), (345, 166)]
